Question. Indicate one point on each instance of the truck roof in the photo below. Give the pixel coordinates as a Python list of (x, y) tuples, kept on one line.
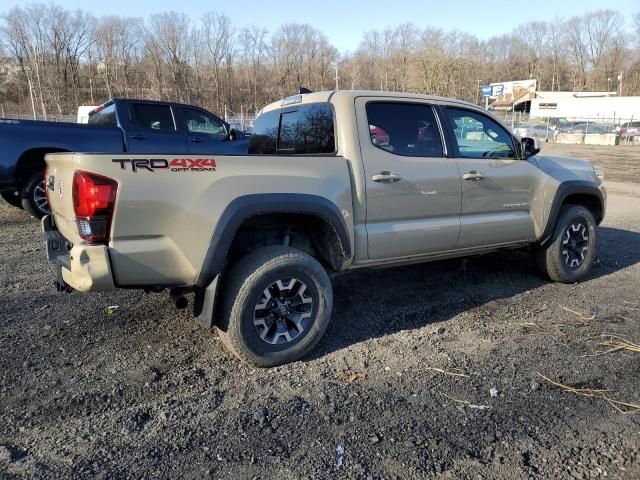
[(333, 95)]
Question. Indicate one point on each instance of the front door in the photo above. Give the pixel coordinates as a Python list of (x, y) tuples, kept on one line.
[(497, 187), (413, 190), (207, 134)]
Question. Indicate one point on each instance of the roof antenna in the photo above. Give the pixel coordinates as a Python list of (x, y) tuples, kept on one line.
[(302, 90)]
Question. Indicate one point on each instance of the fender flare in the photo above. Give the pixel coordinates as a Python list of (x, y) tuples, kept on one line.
[(247, 206), (565, 189)]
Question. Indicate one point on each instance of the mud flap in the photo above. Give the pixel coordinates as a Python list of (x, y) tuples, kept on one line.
[(204, 304), (57, 252)]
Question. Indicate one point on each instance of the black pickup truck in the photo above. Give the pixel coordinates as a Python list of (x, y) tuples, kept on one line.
[(116, 126)]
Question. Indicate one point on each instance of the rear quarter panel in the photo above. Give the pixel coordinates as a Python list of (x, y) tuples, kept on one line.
[(164, 220)]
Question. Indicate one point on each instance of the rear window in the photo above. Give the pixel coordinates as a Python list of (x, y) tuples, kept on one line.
[(106, 116), (153, 117), (304, 129)]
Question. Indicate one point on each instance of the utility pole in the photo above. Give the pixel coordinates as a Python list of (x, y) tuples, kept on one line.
[(337, 85), (620, 84)]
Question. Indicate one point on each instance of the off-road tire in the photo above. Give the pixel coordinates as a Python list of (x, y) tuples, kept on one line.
[(550, 259), (31, 195), (12, 199), (243, 289)]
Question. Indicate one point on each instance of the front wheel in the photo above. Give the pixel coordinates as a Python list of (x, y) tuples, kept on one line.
[(33, 195), (569, 256), (276, 304)]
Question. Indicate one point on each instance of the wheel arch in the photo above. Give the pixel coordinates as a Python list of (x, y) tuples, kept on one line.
[(319, 213), (32, 160), (576, 192)]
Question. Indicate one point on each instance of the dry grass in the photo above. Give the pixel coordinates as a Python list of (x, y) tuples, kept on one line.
[(616, 343), (458, 373), (582, 318), (622, 407)]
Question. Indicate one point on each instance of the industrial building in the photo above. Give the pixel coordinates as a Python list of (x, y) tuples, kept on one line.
[(601, 107)]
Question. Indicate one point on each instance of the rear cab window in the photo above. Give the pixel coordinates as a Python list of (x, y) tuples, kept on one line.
[(103, 116), (153, 117), (301, 129)]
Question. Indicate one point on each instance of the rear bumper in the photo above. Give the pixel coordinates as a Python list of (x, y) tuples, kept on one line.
[(85, 268)]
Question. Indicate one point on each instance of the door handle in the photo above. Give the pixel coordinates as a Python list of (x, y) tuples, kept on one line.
[(473, 175), (196, 140), (138, 137), (386, 177)]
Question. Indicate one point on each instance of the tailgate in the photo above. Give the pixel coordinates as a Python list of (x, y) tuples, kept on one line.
[(59, 188)]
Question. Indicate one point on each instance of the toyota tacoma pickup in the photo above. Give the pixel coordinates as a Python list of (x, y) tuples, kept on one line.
[(119, 125), (254, 239)]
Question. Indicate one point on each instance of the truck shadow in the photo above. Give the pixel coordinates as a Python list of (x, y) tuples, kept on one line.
[(374, 303)]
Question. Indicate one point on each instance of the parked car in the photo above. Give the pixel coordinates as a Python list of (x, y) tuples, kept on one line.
[(254, 238), (535, 130), (242, 132), (629, 129), (119, 125), (586, 128)]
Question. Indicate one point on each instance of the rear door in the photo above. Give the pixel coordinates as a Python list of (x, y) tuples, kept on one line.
[(497, 187), (152, 128), (413, 190)]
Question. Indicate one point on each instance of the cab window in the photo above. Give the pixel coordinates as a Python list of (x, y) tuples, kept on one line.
[(305, 129), (153, 117), (404, 129), (104, 116), (198, 121), (478, 136)]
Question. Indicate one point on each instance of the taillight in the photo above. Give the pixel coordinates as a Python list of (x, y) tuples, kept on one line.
[(94, 198)]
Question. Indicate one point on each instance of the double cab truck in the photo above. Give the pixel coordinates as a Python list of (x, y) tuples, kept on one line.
[(120, 125), (333, 181)]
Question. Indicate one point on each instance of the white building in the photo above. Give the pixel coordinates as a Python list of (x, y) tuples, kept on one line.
[(602, 107)]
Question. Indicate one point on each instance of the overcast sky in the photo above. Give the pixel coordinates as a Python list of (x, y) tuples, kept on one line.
[(344, 21)]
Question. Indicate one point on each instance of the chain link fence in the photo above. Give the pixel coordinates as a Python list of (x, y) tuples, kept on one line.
[(67, 117), (585, 130), (243, 122), (589, 131)]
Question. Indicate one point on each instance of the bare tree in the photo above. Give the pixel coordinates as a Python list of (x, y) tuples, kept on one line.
[(217, 34), (61, 58), (167, 43)]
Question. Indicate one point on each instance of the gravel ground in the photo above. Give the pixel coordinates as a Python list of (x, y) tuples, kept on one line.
[(144, 392)]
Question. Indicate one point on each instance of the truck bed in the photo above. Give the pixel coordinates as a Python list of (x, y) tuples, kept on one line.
[(15, 134), (167, 206)]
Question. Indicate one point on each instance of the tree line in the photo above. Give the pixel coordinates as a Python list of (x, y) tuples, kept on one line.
[(52, 59)]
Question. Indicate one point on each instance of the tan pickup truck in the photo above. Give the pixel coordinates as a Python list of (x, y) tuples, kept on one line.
[(333, 181)]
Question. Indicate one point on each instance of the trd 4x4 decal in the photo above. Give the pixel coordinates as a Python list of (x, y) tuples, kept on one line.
[(175, 165)]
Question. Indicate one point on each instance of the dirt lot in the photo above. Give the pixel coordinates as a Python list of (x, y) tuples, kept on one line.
[(145, 392)]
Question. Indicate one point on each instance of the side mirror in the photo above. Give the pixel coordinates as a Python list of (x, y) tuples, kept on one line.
[(529, 147), (233, 134)]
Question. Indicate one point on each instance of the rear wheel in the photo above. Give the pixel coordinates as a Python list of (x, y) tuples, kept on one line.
[(569, 256), (277, 304), (34, 198), (12, 199)]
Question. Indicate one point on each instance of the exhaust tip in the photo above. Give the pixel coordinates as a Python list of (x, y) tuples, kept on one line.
[(180, 301)]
